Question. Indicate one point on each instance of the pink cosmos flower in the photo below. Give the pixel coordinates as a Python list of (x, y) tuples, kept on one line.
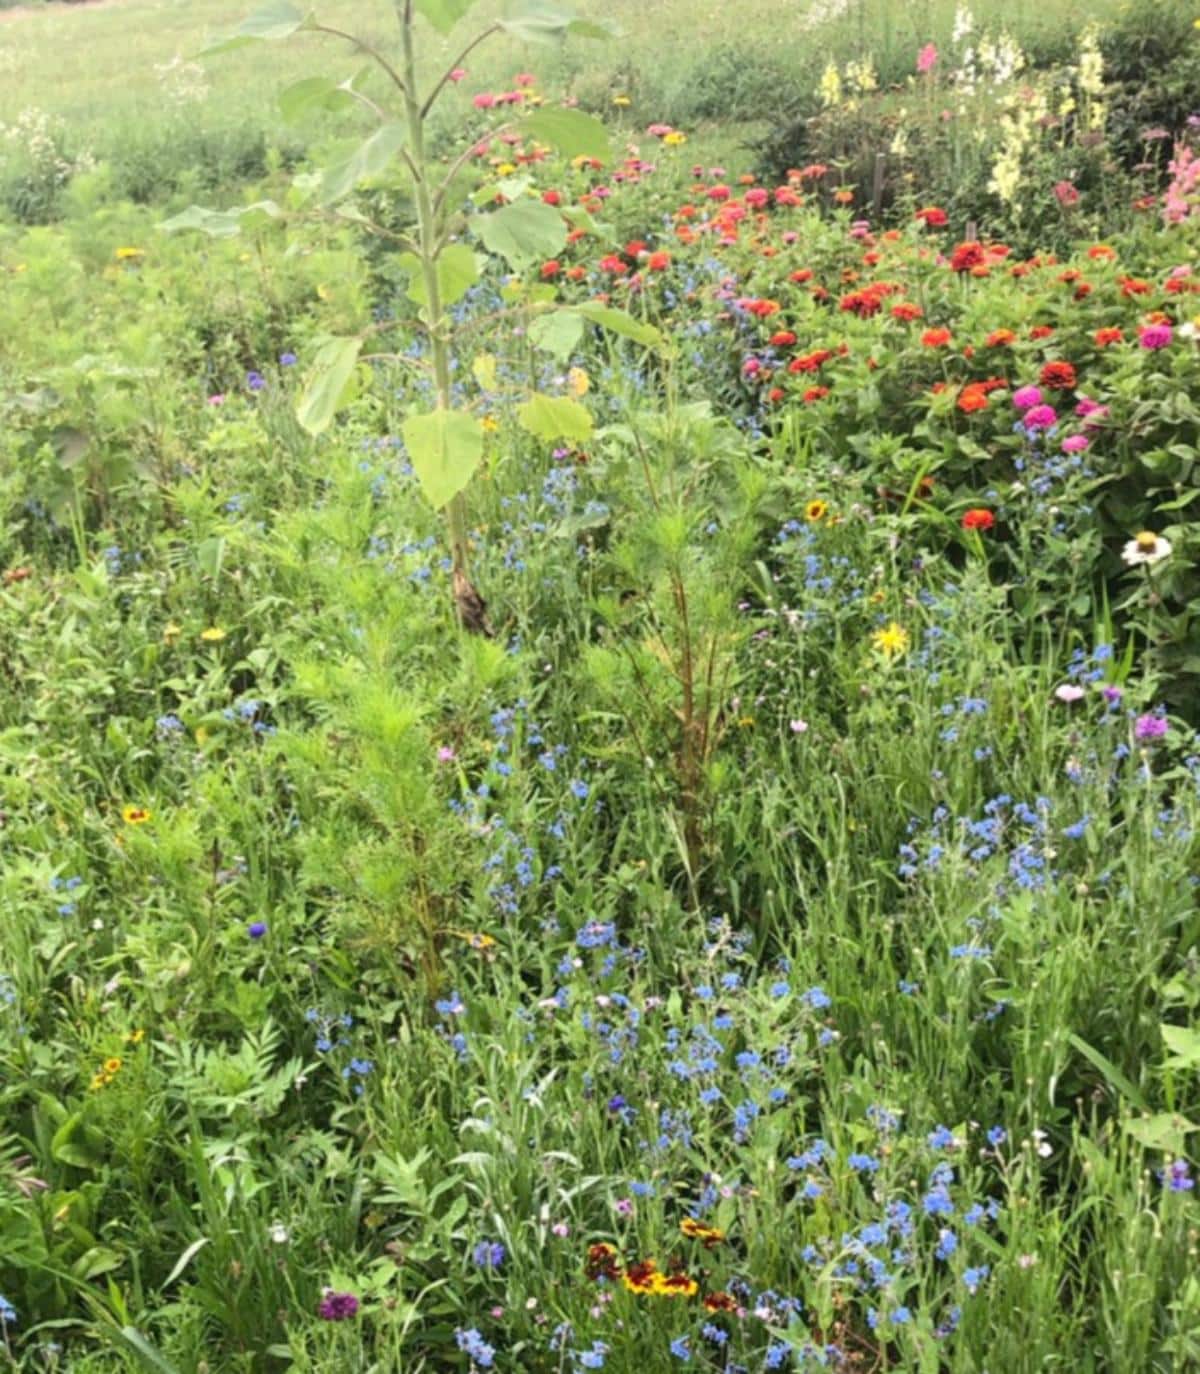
[(1025, 397), (217, 400), (927, 58)]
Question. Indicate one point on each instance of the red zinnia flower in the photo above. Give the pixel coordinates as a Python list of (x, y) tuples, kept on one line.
[(935, 338), (1058, 376), (815, 393), (933, 216), (782, 338), (1041, 331), (1104, 337), (802, 274), (1000, 338), (658, 261), (978, 518), (551, 269), (967, 256), (906, 310)]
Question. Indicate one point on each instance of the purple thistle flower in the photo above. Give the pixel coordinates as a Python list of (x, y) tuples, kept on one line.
[(1149, 728), (337, 1307)]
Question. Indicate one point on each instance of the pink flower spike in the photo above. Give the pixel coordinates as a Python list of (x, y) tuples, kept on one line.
[(927, 58)]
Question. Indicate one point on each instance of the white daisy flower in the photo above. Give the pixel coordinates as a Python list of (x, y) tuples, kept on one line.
[(1146, 547)]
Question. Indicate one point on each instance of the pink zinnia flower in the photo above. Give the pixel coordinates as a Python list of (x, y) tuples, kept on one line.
[(457, 73), (1075, 443), (1155, 335), (1026, 397), (483, 101), (927, 58), (1040, 417)]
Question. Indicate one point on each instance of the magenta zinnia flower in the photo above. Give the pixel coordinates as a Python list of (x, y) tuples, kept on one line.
[(1040, 417), (1155, 335), (1026, 397)]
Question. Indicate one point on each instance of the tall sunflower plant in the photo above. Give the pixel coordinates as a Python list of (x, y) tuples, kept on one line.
[(448, 242)]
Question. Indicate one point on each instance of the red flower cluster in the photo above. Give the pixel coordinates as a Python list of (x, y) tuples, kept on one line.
[(978, 518)]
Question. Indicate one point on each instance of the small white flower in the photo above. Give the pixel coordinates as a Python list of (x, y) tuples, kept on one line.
[(279, 1233), (798, 727), (1147, 547), (1068, 692)]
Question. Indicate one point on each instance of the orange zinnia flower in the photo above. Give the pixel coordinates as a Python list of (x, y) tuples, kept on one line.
[(936, 338)]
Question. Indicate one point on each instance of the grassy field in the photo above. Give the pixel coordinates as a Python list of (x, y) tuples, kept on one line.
[(97, 65), (599, 763)]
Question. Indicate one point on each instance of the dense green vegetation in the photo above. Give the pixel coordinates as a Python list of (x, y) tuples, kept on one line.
[(764, 935)]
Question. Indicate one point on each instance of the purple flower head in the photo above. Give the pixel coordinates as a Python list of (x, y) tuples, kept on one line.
[(337, 1307), (256, 929), (1149, 727), (488, 1254), (255, 381), (1025, 397), (1177, 1177), (287, 360)]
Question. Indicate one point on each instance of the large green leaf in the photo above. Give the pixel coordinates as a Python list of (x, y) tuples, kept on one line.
[(524, 233), (445, 448), (555, 417), (329, 385), (572, 132), (279, 19), (220, 224), (546, 23), (558, 332), (313, 93), (1184, 1044), (1164, 1131), (443, 14), (369, 159), (619, 322), (457, 272)]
